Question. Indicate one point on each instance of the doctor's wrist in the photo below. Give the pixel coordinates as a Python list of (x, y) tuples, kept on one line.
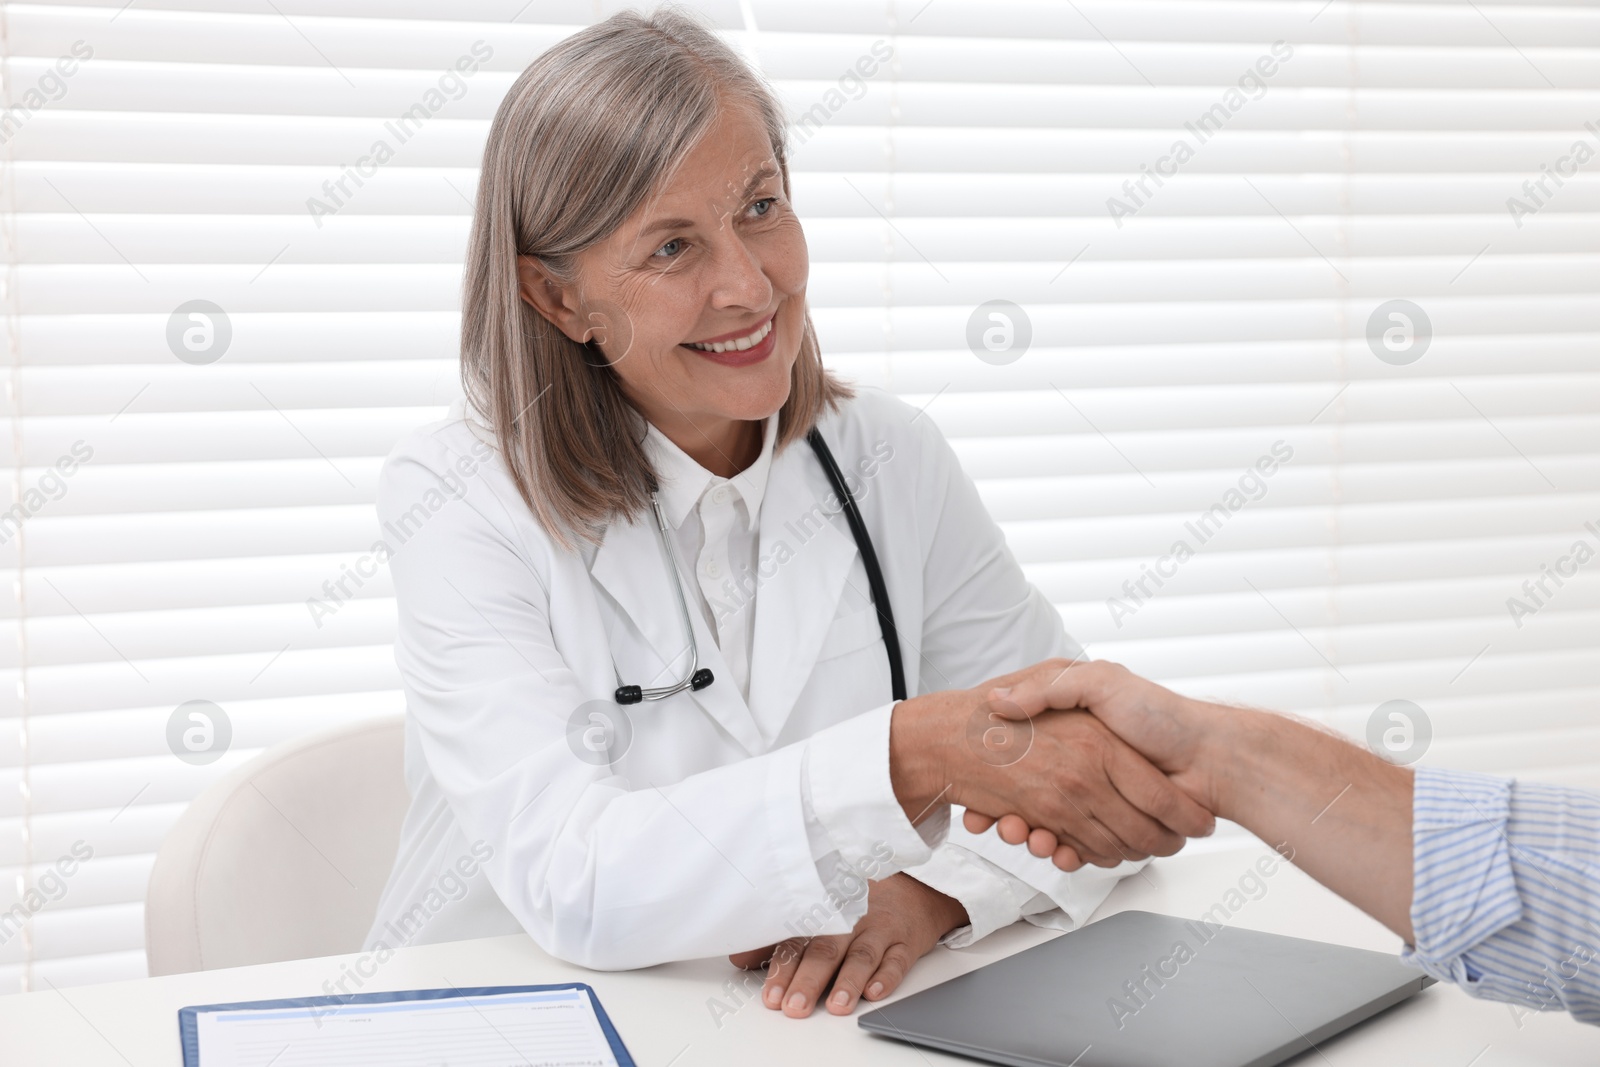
[(921, 730)]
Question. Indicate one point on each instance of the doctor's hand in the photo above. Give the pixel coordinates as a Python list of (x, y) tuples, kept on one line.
[(904, 920), (1061, 771), (1170, 730)]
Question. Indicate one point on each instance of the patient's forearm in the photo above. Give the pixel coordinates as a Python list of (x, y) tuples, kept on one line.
[(1345, 812)]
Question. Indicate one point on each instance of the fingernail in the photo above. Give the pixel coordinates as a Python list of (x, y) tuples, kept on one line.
[(1001, 691), (875, 990), (797, 1002), (841, 998), (774, 996)]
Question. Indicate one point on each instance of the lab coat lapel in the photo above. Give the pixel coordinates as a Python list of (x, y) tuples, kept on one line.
[(630, 567), (803, 562)]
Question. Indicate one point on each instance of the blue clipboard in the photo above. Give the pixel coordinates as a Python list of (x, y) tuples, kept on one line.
[(189, 1034)]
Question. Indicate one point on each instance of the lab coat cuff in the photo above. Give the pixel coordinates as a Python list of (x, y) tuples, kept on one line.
[(993, 898), (853, 798)]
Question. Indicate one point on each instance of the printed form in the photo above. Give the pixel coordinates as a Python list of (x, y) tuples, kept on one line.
[(554, 1028)]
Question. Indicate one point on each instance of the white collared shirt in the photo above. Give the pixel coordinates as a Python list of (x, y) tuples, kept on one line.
[(716, 532)]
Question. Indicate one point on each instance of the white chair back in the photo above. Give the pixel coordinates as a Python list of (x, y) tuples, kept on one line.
[(284, 858)]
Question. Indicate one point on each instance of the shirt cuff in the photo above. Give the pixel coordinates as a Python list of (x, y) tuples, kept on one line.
[(993, 897), (999, 883), (1464, 889), (853, 820)]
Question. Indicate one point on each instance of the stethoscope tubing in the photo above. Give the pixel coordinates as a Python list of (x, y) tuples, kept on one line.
[(697, 678), (670, 555), (869, 561)]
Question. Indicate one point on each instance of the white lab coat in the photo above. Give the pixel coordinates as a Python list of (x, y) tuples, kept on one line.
[(694, 841)]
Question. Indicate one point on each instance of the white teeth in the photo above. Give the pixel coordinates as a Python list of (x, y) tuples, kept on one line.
[(738, 344)]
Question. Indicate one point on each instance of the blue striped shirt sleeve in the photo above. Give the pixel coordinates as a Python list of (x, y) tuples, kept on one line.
[(1506, 894)]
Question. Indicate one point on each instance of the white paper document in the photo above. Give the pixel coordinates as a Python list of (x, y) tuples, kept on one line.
[(546, 1028)]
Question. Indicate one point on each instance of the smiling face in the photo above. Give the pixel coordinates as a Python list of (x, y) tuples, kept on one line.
[(698, 299)]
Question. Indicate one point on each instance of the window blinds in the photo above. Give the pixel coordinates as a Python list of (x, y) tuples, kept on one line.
[(1139, 260)]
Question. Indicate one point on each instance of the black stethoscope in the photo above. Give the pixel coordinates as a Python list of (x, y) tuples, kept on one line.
[(696, 677)]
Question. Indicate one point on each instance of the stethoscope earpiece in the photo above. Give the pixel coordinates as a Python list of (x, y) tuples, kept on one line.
[(634, 694)]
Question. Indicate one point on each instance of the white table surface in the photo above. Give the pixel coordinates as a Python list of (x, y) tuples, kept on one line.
[(664, 1016)]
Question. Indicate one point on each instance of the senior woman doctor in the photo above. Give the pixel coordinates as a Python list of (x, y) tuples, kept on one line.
[(635, 335)]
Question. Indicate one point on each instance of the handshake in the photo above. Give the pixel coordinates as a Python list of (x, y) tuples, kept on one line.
[(1084, 761), (1087, 763)]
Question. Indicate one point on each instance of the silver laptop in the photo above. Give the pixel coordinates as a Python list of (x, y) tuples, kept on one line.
[(1144, 990)]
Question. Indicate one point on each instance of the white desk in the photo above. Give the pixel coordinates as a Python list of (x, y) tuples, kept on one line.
[(664, 1017)]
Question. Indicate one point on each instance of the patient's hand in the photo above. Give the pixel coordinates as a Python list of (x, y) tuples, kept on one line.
[(1169, 730), (904, 920)]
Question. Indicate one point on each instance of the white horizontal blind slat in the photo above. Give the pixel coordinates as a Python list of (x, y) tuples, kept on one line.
[(1173, 347)]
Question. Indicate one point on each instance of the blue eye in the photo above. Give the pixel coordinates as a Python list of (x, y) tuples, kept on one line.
[(765, 204), (670, 249)]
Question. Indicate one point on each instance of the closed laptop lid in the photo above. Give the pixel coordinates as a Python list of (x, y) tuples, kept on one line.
[(1143, 990)]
